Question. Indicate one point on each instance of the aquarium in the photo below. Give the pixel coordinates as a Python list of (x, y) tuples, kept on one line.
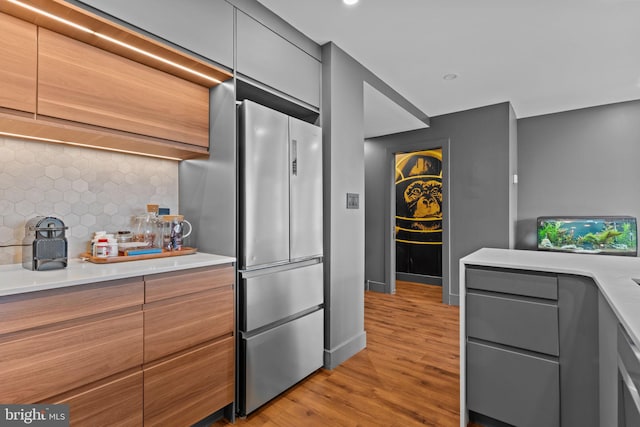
[(613, 235)]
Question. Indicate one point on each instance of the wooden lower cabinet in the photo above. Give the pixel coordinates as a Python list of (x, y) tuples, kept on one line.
[(118, 361), (188, 387), (184, 322), (54, 361), (189, 345), (116, 402), (168, 285)]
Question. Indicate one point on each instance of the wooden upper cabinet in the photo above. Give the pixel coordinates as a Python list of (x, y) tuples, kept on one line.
[(81, 83), (18, 67)]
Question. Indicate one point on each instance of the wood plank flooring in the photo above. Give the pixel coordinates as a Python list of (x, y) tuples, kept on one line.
[(407, 376)]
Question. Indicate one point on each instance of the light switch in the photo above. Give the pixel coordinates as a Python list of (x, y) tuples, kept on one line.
[(353, 201)]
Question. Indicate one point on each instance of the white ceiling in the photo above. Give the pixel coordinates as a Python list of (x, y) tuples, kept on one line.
[(543, 56)]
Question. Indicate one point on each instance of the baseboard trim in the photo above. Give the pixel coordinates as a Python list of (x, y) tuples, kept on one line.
[(419, 278), (334, 357), (374, 286)]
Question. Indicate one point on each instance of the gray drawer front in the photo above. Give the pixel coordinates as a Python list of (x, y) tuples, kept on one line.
[(628, 412), (526, 284), (512, 387), (629, 356), (529, 325)]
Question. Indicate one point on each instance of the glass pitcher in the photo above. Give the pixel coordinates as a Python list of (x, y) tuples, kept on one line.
[(173, 231)]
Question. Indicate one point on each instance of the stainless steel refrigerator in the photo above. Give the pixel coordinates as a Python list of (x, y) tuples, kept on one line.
[(280, 307)]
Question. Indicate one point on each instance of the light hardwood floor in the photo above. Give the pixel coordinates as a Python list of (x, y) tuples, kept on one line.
[(407, 375)]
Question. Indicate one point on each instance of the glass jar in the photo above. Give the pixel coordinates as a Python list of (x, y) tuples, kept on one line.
[(146, 230)]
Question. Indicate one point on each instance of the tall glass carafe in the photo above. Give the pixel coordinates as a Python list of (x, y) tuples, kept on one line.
[(173, 231)]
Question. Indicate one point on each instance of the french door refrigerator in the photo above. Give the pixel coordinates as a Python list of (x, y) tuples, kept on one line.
[(280, 306)]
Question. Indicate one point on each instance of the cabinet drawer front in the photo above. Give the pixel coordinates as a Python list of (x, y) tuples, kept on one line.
[(84, 84), (524, 324), (169, 328), (34, 309), (538, 285), (512, 387), (116, 403), (187, 388), (629, 356), (18, 50), (44, 365), (168, 285)]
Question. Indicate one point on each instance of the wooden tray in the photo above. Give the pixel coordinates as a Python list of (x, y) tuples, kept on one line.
[(96, 260)]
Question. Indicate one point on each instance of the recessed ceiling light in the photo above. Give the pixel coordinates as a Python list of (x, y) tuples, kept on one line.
[(450, 76), (350, 2)]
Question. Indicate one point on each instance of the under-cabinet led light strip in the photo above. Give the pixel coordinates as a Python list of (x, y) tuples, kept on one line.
[(77, 144), (112, 40)]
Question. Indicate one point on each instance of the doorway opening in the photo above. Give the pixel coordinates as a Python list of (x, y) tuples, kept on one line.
[(419, 216), (422, 177)]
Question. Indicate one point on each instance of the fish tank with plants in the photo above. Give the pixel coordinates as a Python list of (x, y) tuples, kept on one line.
[(612, 235)]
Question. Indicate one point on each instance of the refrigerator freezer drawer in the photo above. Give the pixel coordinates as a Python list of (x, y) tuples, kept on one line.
[(270, 297), (280, 357)]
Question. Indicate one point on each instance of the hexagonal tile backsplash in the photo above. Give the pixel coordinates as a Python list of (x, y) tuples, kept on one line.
[(88, 189)]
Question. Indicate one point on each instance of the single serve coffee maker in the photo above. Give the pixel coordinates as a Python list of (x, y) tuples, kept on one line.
[(44, 244)]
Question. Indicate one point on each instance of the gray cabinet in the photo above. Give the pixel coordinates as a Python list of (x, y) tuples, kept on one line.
[(513, 372), (531, 325), (268, 58), (628, 380), (532, 348), (514, 387), (204, 27), (608, 363)]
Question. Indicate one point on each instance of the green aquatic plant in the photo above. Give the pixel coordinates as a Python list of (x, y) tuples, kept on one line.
[(605, 237), (627, 237), (552, 231)]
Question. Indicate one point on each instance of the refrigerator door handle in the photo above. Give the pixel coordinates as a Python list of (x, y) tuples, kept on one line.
[(294, 157)]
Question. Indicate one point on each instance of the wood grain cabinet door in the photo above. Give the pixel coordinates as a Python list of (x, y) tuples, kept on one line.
[(187, 388), (168, 285), (114, 402), (36, 309), (53, 361), (18, 64), (85, 84), (183, 322)]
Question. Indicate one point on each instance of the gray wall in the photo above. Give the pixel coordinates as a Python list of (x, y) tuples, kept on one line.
[(480, 163), (342, 120), (580, 162), (343, 143), (208, 186)]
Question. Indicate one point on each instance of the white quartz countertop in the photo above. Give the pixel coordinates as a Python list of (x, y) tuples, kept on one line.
[(613, 274), (14, 279)]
